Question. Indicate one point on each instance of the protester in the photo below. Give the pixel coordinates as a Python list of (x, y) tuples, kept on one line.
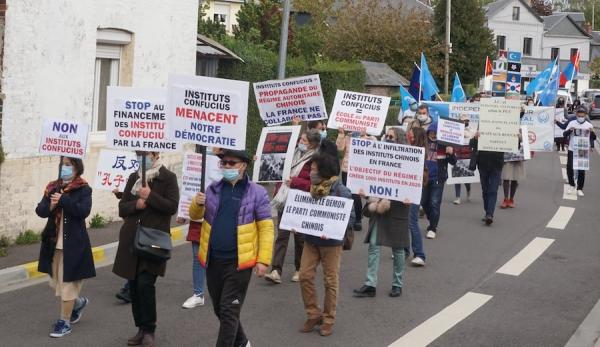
[(327, 252), (388, 226), (576, 126), (423, 116), (463, 151), (151, 205), (66, 252), (490, 169), (198, 272), (512, 172), (437, 160), (236, 236), (123, 293), (416, 137), (300, 179), (560, 141)]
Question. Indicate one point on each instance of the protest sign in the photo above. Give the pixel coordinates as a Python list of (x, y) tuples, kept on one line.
[(581, 160), (359, 112), (559, 115), (449, 131), (524, 152), (328, 216), (136, 119), (191, 179), (539, 122), (275, 153), (64, 138), (465, 111), (499, 125), (113, 169), (386, 170), (460, 173), (581, 142), (281, 100), (208, 111)]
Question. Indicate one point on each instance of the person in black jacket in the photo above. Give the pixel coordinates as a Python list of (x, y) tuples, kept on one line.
[(490, 170)]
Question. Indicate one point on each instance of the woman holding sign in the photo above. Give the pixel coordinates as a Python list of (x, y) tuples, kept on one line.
[(66, 252)]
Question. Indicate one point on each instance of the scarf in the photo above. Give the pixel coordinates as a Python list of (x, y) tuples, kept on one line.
[(151, 174), (59, 186), (322, 189), (300, 158)]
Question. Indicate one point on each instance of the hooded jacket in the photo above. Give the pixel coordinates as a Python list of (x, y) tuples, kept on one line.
[(437, 159)]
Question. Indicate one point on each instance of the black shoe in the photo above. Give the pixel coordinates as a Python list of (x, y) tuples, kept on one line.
[(123, 294), (489, 220), (357, 227), (365, 292), (395, 292)]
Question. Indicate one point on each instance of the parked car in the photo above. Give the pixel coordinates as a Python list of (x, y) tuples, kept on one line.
[(586, 96), (594, 106)]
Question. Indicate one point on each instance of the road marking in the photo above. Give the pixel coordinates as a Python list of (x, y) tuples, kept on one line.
[(525, 257), (587, 333), (443, 321), (566, 194), (561, 218), (564, 173), (563, 160)]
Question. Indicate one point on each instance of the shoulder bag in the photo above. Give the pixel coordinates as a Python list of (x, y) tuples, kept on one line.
[(152, 244)]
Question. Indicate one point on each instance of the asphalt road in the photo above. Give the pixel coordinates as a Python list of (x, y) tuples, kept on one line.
[(543, 306)]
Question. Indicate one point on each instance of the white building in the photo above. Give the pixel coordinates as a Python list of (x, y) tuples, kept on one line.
[(224, 12), (58, 58)]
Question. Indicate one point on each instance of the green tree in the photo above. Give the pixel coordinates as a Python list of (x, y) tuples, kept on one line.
[(542, 7), (471, 39), (259, 22), (207, 26)]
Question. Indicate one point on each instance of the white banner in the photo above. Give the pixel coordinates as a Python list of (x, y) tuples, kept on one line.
[(499, 120), (136, 119), (559, 115), (540, 124), (191, 179), (281, 100), (328, 216), (386, 170), (359, 112), (64, 138), (208, 111), (449, 131), (275, 153), (113, 169)]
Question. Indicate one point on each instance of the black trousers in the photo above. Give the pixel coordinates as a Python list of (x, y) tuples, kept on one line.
[(227, 288), (143, 301), (358, 207), (571, 173)]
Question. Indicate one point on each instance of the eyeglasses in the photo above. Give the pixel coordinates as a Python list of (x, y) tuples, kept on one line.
[(224, 163), (389, 137)]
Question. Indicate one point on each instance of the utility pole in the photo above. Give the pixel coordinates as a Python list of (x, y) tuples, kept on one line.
[(593, 13), (448, 47), (285, 24)]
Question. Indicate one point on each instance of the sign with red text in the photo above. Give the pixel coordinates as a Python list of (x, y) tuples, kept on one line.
[(136, 119), (450, 132), (275, 153), (353, 111), (208, 111), (540, 124), (113, 169), (64, 138), (281, 100), (386, 170), (191, 179)]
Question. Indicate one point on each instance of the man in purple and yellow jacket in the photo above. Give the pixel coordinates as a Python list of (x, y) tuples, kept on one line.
[(236, 236)]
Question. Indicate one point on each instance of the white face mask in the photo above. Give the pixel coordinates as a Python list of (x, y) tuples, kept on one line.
[(580, 120)]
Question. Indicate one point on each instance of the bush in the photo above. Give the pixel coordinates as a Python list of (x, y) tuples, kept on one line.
[(98, 221), (4, 242), (28, 237), (392, 116)]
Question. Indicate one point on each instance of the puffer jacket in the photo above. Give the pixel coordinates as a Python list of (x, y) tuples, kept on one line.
[(255, 229)]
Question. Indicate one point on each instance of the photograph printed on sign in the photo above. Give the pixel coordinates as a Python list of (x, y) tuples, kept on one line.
[(275, 152), (64, 138)]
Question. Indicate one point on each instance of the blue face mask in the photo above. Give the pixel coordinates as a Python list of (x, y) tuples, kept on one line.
[(148, 161), (231, 174), (66, 172), (323, 134), (302, 147)]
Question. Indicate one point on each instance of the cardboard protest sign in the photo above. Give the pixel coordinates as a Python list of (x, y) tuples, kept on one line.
[(559, 115), (275, 153), (191, 179), (540, 124), (386, 170), (328, 216), (136, 119), (460, 173), (354, 111), (208, 111), (281, 100), (499, 125), (449, 131), (113, 169), (64, 138)]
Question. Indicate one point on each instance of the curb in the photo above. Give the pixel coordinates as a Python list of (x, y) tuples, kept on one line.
[(26, 274)]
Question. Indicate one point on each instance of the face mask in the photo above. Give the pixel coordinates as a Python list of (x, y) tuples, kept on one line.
[(148, 160), (530, 104), (231, 174), (323, 134), (315, 179), (66, 172), (422, 117), (581, 120), (302, 147)]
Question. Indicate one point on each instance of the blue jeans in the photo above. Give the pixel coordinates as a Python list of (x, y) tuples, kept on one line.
[(416, 239), (457, 189), (432, 201), (490, 181), (373, 262), (198, 272)]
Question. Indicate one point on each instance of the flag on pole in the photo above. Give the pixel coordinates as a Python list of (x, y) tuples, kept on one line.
[(428, 86), (415, 87), (406, 98), (566, 77), (548, 94), (488, 75), (458, 93), (541, 80)]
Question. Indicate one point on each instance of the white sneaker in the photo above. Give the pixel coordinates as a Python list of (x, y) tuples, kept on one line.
[(418, 261), (580, 193), (296, 277), (571, 190), (273, 277), (430, 234), (468, 196), (456, 202), (194, 301)]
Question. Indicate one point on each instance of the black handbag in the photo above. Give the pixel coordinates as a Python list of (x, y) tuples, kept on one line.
[(473, 161), (152, 244)]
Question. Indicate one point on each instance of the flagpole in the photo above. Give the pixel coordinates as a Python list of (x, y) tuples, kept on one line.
[(420, 79)]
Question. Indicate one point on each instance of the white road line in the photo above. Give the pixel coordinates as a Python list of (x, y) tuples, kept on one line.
[(564, 173), (561, 218), (563, 160), (443, 321), (525, 257), (568, 196)]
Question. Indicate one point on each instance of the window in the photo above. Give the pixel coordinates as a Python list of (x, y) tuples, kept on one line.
[(516, 13), (220, 18), (554, 53), (221, 15), (573, 52), (501, 42), (527, 43)]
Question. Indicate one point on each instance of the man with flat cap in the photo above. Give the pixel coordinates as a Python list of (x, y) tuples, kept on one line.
[(236, 237)]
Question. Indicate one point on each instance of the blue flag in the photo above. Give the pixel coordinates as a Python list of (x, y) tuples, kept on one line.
[(428, 86), (458, 93), (415, 84), (406, 98), (548, 94), (540, 81)]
